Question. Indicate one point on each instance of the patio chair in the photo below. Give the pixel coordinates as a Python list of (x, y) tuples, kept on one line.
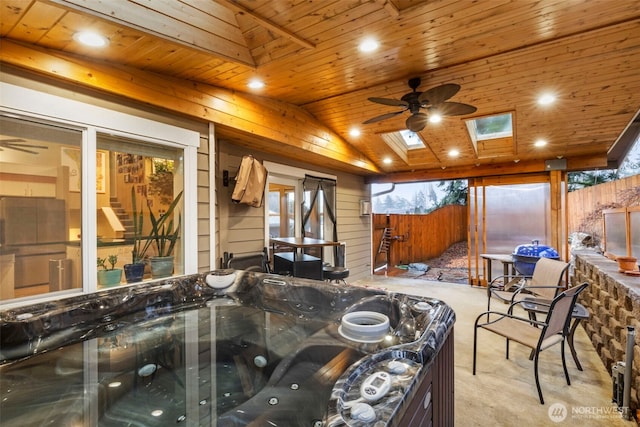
[(534, 334), (545, 283), (251, 262)]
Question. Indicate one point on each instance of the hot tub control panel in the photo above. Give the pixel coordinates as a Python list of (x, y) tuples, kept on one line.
[(376, 390), (375, 386)]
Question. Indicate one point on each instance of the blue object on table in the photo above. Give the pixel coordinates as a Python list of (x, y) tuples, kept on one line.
[(525, 257)]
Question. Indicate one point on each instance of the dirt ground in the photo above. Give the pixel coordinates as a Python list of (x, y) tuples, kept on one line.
[(451, 266)]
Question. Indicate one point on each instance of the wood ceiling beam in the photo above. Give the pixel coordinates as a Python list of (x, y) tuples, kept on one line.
[(278, 123), (266, 23), (391, 8), (172, 21), (501, 169)]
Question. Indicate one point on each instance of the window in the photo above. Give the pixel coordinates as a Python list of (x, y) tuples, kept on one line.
[(411, 139), (69, 174), (40, 170), (492, 127), (282, 217), (130, 171), (403, 140)]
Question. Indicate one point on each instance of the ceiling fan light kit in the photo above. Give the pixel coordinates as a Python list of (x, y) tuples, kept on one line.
[(433, 100)]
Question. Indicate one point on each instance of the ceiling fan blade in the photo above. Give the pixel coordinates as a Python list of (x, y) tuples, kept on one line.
[(438, 94), (454, 109), (392, 102), (14, 145), (24, 150), (416, 122), (383, 117)]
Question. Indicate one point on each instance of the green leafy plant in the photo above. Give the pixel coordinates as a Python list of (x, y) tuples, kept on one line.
[(111, 259), (164, 232), (161, 180)]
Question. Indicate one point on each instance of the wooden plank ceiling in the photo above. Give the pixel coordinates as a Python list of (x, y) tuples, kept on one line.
[(503, 54)]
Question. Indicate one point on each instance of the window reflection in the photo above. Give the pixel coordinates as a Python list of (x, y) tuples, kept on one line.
[(40, 206), (281, 210), (41, 200), (141, 183)]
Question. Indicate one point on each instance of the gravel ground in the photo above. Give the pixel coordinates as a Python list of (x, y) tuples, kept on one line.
[(454, 257), (451, 266)]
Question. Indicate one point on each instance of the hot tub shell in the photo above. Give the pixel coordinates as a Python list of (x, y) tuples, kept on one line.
[(273, 389)]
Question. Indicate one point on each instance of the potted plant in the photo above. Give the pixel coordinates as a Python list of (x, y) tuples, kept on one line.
[(109, 275), (134, 272), (164, 236)]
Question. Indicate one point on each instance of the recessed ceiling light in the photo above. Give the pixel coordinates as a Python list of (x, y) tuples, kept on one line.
[(540, 143), (454, 153), (354, 132), (90, 38), (256, 84), (435, 118), (369, 45), (386, 160), (546, 99)]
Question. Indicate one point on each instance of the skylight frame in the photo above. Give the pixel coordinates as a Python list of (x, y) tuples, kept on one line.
[(411, 139), (472, 128)]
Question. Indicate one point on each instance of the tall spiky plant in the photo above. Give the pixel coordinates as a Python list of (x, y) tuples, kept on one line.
[(139, 249), (163, 233)]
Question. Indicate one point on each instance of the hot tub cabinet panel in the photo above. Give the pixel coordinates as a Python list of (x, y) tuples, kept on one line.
[(227, 348)]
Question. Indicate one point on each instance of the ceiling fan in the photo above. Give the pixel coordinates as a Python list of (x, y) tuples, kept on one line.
[(17, 144), (434, 100)]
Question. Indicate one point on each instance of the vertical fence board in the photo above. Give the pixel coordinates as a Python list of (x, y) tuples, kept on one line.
[(416, 238), (584, 201)]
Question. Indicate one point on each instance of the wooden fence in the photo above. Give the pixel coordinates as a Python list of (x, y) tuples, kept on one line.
[(415, 238), (588, 201)]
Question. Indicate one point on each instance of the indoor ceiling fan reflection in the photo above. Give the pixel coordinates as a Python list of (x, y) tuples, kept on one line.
[(17, 144), (433, 100)]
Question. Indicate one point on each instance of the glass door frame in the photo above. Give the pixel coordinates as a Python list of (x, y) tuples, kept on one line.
[(289, 174), (297, 186)]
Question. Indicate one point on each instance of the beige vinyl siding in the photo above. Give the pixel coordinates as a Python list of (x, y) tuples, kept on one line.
[(204, 200), (353, 228), (242, 226)]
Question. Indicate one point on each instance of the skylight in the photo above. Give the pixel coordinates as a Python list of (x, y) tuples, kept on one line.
[(492, 127), (411, 139), (402, 142)]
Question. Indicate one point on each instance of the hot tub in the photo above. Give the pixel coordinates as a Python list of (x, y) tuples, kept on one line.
[(228, 348)]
